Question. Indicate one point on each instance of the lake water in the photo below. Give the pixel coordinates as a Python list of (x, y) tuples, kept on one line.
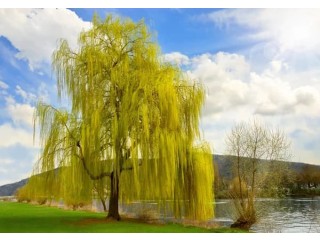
[(290, 215)]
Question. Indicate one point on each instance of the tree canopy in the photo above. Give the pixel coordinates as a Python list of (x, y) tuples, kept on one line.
[(131, 129)]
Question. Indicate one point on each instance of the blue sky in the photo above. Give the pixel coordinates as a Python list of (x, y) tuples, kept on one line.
[(261, 63)]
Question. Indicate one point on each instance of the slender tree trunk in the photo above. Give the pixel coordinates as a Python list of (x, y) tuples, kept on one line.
[(103, 204), (114, 198), (240, 182)]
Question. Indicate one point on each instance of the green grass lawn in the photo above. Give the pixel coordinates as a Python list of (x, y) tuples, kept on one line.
[(27, 218)]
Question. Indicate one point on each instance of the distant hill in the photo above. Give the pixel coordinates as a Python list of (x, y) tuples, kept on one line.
[(10, 189), (222, 162)]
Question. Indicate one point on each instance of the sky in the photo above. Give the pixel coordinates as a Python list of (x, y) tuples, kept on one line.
[(253, 63)]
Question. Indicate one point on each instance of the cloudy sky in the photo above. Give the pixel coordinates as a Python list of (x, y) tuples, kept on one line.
[(262, 63)]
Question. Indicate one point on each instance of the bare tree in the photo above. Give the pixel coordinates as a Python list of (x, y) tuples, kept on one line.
[(249, 143)]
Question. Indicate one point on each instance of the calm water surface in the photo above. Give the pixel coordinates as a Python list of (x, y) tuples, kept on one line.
[(290, 215)]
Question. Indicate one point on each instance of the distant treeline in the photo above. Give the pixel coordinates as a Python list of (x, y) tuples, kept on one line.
[(300, 179)]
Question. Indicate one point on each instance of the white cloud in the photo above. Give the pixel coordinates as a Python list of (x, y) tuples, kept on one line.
[(5, 161), (20, 114), (5, 165), (43, 93), (3, 85), (237, 93), (277, 66), (290, 29), (273, 96), (224, 77), (307, 95), (276, 96), (234, 64), (36, 32), (26, 96), (231, 84), (176, 58), (12, 136), (226, 65)]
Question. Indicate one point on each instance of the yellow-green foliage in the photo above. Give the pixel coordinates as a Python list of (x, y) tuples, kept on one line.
[(131, 114), (38, 188)]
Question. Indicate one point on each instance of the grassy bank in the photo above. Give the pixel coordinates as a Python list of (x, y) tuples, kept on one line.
[(27, 218)]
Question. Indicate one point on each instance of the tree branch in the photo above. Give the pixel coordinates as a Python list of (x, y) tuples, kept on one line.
[(93, 177)]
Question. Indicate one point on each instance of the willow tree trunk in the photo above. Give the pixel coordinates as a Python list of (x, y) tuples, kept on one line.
[(114, 198)]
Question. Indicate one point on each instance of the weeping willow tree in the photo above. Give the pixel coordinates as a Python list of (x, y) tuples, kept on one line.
[(131, 128)]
